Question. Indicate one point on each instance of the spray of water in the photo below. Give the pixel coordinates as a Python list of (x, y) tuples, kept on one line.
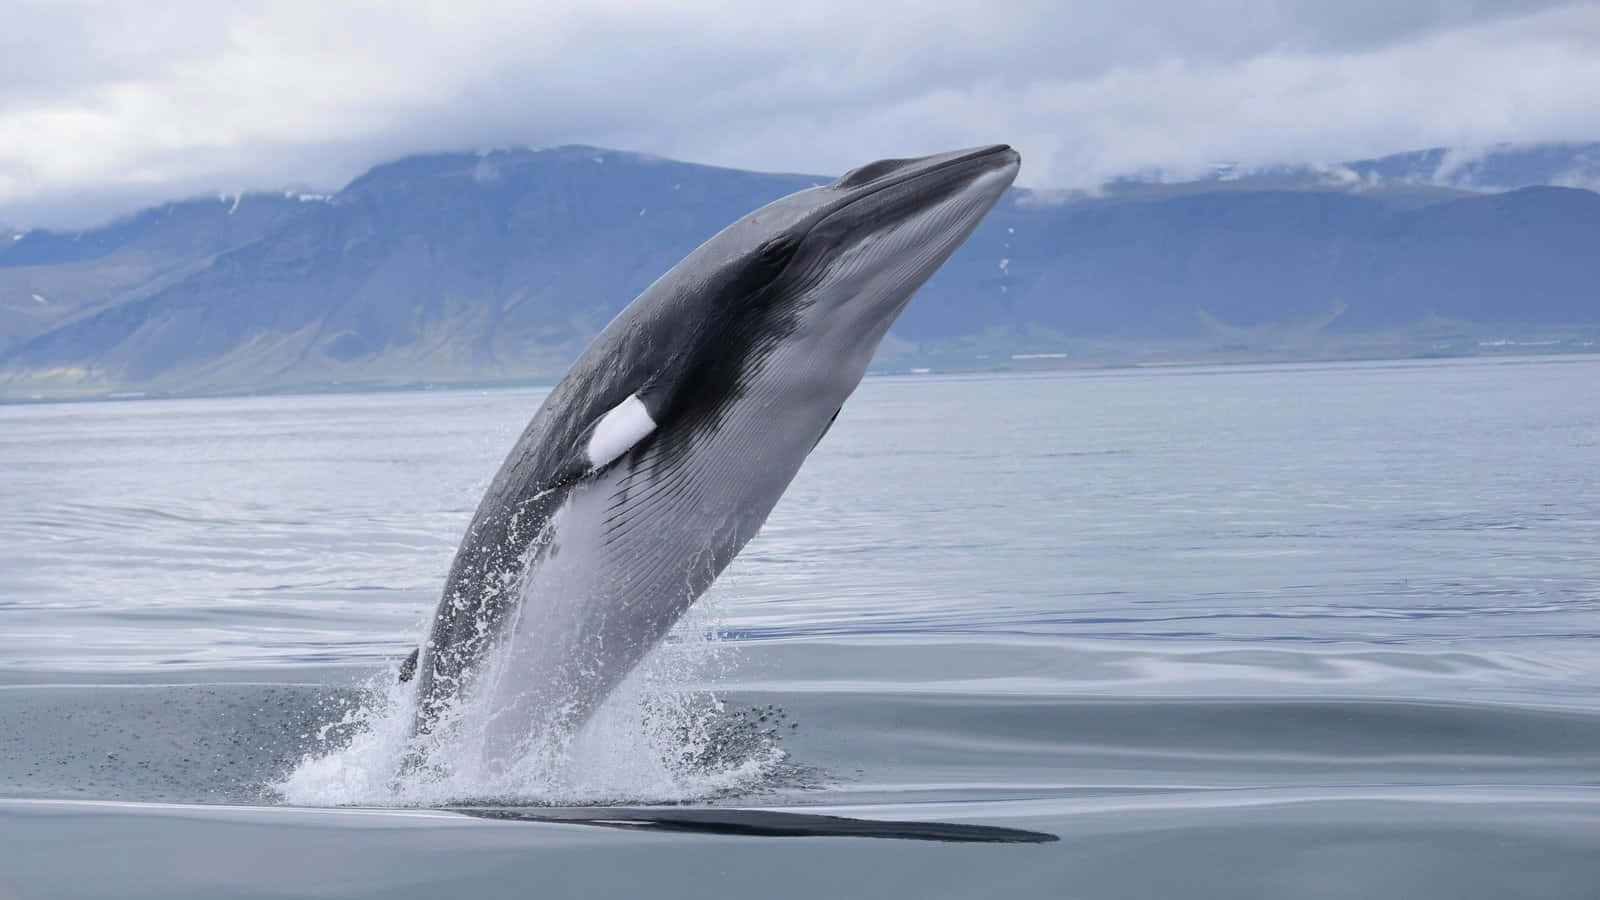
[(659, 738)]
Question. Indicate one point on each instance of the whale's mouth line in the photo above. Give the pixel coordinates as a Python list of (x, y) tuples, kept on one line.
[(965, 159), (755, 823), (981, 155)]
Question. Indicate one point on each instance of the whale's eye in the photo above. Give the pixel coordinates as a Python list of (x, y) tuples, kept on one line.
[(869, 172), (772, 256)]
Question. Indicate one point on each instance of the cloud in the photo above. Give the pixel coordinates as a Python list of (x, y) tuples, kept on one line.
[(104, 105)]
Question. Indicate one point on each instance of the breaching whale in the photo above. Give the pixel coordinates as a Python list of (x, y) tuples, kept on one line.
[(660, 454)]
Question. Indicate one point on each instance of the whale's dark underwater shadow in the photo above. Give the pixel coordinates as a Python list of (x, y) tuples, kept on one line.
[(760, 823)]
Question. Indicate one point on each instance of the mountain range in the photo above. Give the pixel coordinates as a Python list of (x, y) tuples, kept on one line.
[(495, 266)]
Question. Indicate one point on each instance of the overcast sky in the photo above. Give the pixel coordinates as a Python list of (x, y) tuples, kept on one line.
[(106, 105)]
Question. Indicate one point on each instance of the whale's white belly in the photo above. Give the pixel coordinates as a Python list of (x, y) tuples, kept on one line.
[(626, 555)]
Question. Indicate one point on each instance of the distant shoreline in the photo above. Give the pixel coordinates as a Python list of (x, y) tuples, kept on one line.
[(1013, 364)]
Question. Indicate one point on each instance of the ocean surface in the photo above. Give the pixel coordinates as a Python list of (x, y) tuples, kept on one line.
[(1233, 632)]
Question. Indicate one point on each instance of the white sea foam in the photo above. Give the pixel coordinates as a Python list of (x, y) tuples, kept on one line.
[(660, 737)]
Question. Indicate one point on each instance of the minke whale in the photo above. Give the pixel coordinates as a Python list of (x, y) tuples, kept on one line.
[(660, 454)]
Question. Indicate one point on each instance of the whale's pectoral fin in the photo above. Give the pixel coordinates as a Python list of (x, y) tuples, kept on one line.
[(408, 666), (616, 432)]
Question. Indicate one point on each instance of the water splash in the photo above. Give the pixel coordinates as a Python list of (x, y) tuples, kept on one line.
[(661, 737)]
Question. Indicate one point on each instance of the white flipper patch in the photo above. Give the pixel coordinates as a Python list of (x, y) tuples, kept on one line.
[(618, 430)]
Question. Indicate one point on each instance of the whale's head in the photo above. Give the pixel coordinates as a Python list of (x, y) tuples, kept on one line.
[(846, 257), (884, 228), (825, 271)]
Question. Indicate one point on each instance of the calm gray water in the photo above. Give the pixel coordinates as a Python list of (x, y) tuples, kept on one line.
[(1235, 632)]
